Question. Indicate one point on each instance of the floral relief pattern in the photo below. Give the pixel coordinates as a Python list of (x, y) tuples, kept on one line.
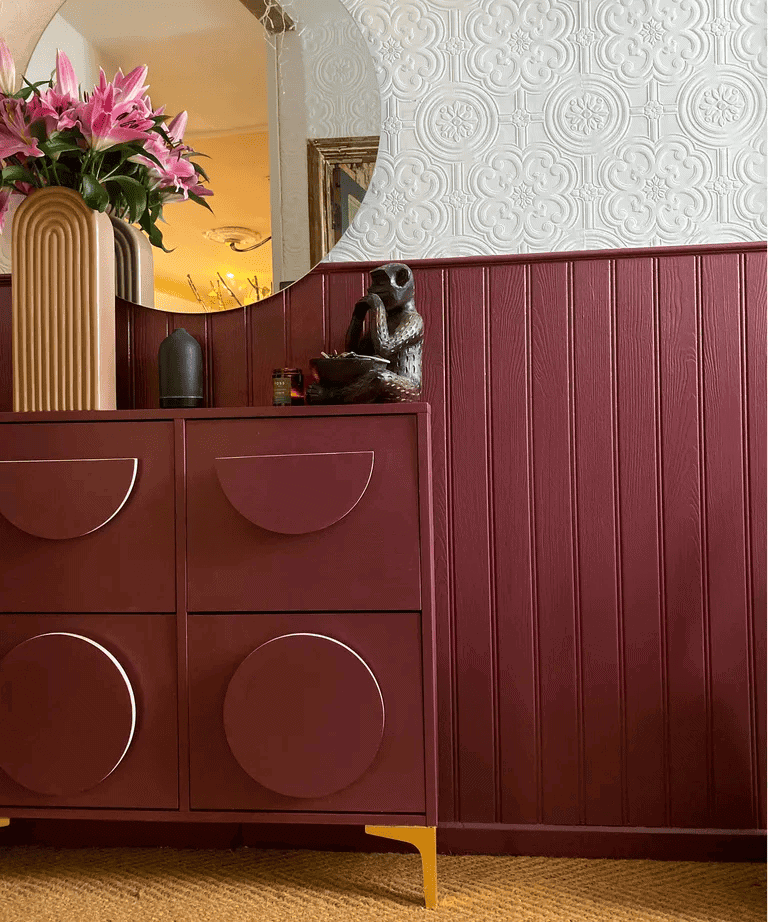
[(656, 190), (567, 125), (644, 38)]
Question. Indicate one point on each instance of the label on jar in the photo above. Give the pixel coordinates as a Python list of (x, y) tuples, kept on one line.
[(281, 392)]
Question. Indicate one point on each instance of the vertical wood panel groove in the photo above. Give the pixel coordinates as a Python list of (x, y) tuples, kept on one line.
[(210, 396), (749, 567), (704, 540), (451, 545), (492, 581), (248, 317), (575, 558), (663, 627), (535, 627), (618, 549)]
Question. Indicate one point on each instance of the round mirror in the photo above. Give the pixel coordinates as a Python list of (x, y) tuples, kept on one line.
[(281, 96)]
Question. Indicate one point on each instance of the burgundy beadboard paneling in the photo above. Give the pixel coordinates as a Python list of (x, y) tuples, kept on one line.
[(557, 602), (645, 679), (149, 329), (686, 623), (599, 438), (725, 563), (230, 358), (343, 291), (518, 680), (473, 606), (754, 358), (602, 703), (432, 295), (124, 370), (306, 321), (268, 345)]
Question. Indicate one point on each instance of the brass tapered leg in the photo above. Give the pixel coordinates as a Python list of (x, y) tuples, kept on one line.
[(4, 821), (423, 837)]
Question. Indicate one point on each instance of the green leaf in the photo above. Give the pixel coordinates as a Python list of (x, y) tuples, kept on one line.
[(200, 201), (12, 174), (134, 195), (38, 130), (147, 224), (200, 171), (94, 194), (57, 146)]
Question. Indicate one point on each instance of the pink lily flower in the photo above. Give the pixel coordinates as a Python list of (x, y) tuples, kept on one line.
[(7, 70), (15, 137), (130, 87), (104, 123), (66, 81), (177, 126)]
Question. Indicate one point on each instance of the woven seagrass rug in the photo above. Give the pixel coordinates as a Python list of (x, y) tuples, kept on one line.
[(173, 885)]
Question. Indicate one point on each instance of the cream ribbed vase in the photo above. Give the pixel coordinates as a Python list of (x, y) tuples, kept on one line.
[(134, 265), (63, 264)]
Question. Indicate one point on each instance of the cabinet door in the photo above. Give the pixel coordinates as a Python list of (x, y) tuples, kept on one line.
[(87, 517), (306, 712), (88, 711), (303, 514)]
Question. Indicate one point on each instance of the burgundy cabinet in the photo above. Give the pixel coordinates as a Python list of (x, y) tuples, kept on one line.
[(88, 711), (217, 614), (303, 514), (306, 712), (84, 508)]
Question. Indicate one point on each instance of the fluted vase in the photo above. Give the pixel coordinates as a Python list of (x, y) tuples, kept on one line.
[(63, 265)]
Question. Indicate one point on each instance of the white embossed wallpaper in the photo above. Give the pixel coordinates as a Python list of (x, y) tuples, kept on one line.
[(513, 126)]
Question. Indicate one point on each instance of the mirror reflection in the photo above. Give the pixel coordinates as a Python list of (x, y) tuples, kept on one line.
[(262, 82)]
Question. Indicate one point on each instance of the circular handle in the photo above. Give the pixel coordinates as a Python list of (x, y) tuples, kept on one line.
[(304, 715), (67, 713)]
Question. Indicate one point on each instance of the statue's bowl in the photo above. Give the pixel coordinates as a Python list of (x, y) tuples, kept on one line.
[(338, 370)]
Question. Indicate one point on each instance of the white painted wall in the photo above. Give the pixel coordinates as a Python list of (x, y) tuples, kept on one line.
[(85, 59)]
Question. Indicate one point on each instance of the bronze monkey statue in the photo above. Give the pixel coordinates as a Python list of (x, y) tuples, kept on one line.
[(395, 332)]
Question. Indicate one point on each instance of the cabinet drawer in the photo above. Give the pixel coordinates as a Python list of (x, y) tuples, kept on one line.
[(303, 514), (88, 711), (306, 712), (87, 517)]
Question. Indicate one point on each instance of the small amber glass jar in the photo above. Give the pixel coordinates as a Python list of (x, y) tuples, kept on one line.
[(287, 387)]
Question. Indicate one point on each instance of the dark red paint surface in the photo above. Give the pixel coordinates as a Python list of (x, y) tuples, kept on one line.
[(293, 494), (148, 775), (67, 714), (390, 645), (598, 457), (303, 735), (61, 499), (368, 559), (98, 571), (303, 715)]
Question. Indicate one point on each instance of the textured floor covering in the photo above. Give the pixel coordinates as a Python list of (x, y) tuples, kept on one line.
[(169, 885)]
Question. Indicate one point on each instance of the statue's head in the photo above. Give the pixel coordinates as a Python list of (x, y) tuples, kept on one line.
[(393, 283)]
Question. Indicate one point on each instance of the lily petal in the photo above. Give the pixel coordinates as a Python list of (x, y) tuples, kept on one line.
[(7, 69), (177, 126), (66, 81)]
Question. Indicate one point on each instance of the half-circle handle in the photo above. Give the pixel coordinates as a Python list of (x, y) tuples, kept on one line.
[(61, 499), (295, 494)]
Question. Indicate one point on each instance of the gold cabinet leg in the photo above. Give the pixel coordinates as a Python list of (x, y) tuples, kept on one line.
[(4, 821), (423, 837)]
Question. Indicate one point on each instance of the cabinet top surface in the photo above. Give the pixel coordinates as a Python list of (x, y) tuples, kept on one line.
[(62, 416)]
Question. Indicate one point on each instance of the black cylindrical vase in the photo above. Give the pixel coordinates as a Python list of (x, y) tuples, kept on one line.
[(181, 371)]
